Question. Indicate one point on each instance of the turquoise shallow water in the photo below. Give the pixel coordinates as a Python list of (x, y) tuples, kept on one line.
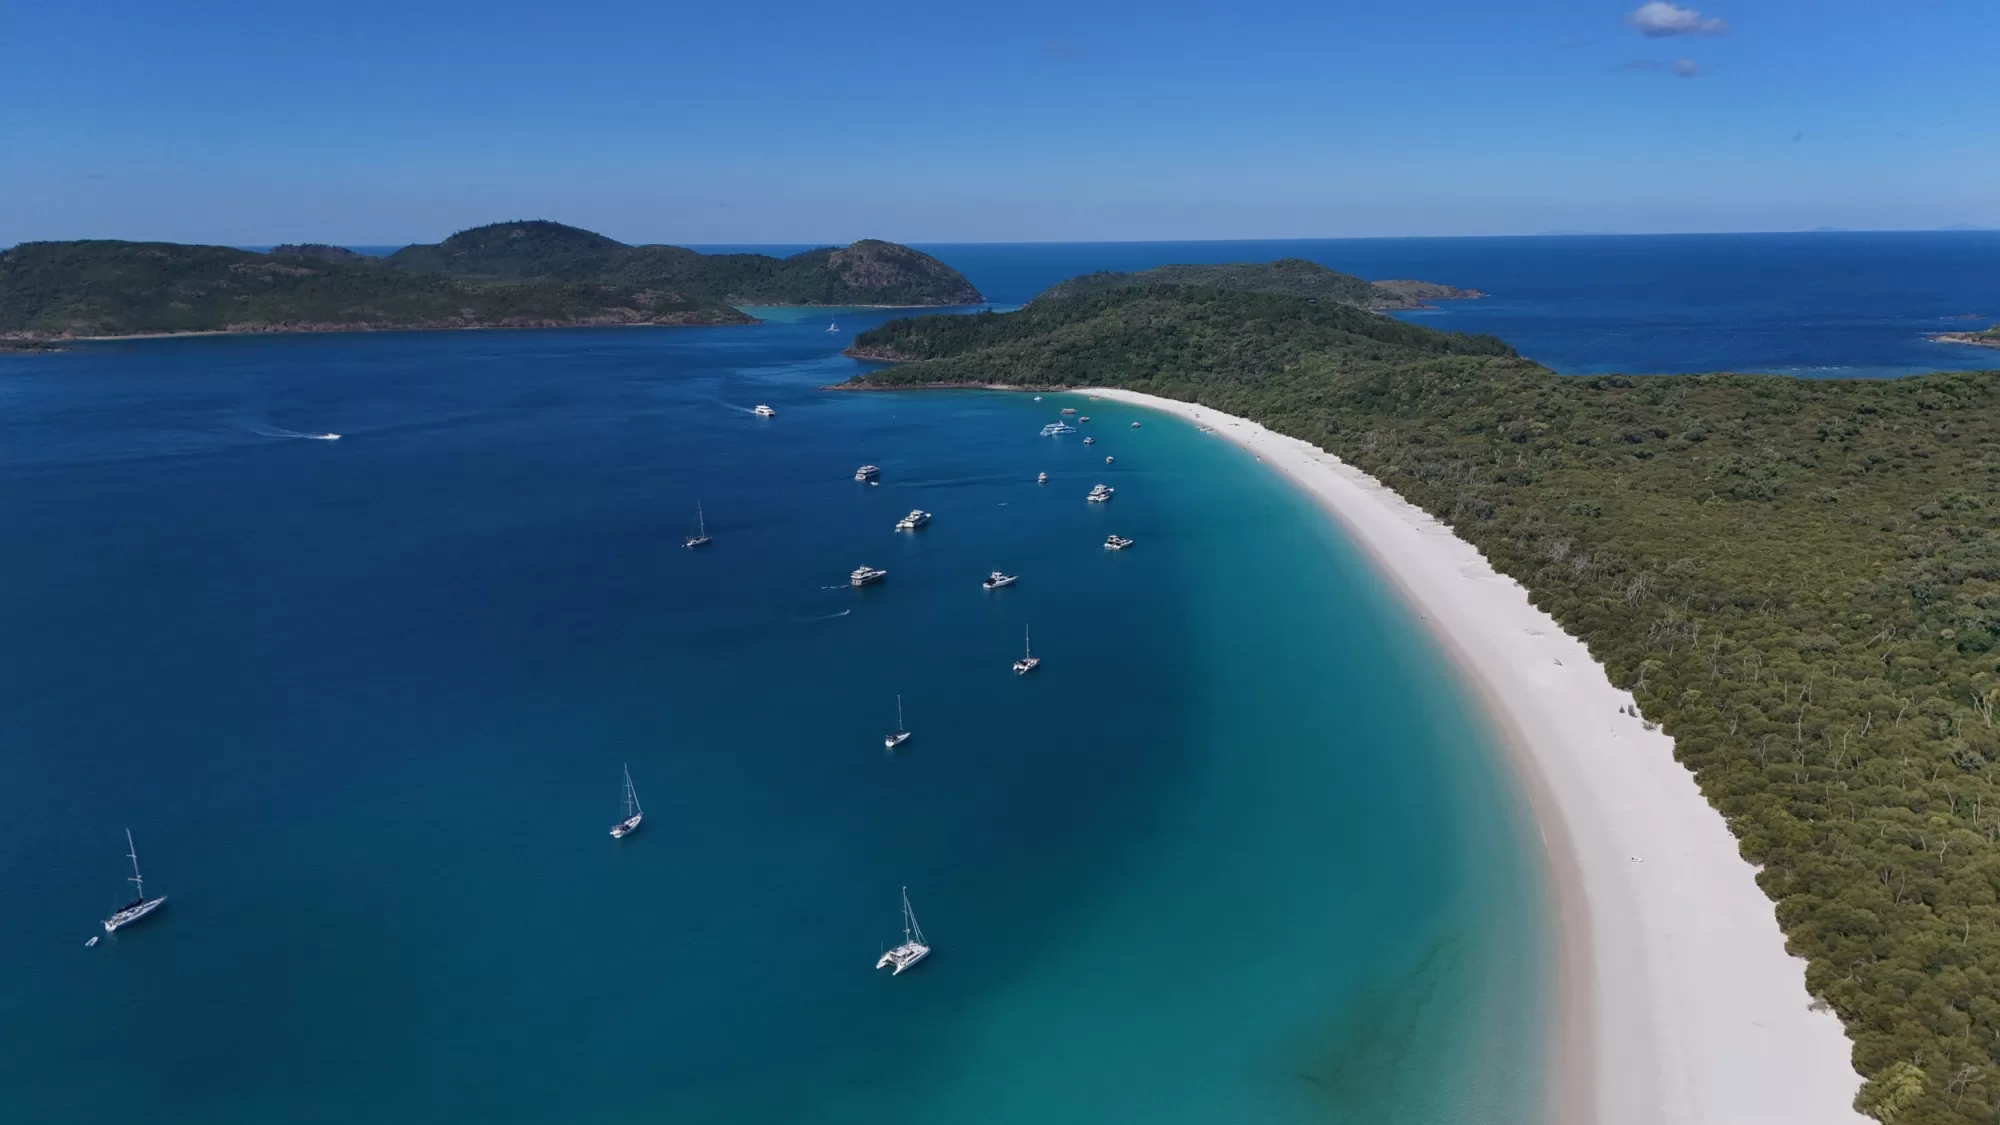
[(1238, 852)]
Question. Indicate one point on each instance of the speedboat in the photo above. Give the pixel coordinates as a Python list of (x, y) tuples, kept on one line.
[(916, 519), (866, 576), (1090, 441), (996, 580), (1116, 542), (1107, 460), (763, 411), (1083, 418), (1042, 479), (1135, 425)]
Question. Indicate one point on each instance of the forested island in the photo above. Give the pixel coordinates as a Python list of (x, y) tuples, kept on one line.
[(1294, 276), (1799, 578), (506, 275)]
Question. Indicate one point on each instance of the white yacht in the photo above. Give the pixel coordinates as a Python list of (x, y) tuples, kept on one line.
[(140, 906), (633, 813), (867, 473), (1042, 479), (1107, 460), (1067, 410), (1055, 428), (1135, 425), (900, 735), (996, 580), (700, 536), (1083, 418), (913, 948), (916, 519), (1100, 494), (1029, 661), (763, 411), (1116, 542), (866, 576)]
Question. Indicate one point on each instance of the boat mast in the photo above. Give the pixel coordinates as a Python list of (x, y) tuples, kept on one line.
[(138, 881), (700, 519), (631, 795), (910, 927), (899, 714), (1027, 648)]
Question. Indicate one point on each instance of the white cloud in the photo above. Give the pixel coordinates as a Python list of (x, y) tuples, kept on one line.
[(1686, 68), (1659, 20)]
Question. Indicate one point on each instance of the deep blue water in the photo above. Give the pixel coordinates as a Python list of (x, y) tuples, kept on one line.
[(1238, 852)]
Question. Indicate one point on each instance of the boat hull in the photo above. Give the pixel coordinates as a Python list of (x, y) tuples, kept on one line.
[(894, 740), (627, 826), (903, 956), (1023, 667), (133, 913)]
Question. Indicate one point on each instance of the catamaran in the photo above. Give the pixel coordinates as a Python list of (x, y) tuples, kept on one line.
[(913, 948), (901, 734), (700, 536), (867, 473), (1029, 661), (763, 411), (140, 906), (916, 519), (633, 814)]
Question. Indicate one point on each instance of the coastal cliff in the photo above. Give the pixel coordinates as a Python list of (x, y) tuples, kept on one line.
[(1990, 338)]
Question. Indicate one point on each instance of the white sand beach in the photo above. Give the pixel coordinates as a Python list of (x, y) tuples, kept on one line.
[(1677, 1002)]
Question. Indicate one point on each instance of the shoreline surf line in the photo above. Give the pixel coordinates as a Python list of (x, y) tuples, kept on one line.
[(1676, 1002)]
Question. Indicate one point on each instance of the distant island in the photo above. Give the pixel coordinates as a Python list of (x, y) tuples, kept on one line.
[(1294, 276), (1799, 579), (533, 274), (1990, 338)]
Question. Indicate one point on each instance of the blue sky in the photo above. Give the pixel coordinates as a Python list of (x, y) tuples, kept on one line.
[(385, 122)]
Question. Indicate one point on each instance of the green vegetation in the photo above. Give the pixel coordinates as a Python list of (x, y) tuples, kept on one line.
[(1291, 276), (1800, 579), (54, 290), (509, 275), (868, 272)]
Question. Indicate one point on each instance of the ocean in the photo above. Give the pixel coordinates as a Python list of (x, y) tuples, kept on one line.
[(1240, 850)]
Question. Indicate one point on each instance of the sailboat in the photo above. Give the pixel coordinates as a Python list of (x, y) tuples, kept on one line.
[(1029, 661), (902, 733), (700, 537), (913, 948), (140, 906), (633, 814), (832, 327)]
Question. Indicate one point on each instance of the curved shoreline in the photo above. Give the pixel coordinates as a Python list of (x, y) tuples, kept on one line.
[(1676, 1001)]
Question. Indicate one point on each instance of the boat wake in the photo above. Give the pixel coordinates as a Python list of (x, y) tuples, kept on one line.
[(281, 432), (830, 616)]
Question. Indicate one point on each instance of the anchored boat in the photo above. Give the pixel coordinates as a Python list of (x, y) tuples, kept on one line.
[(140, 906), (913, 948), (633, 813)]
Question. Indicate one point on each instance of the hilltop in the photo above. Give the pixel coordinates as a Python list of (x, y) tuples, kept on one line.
[(1290, 276), (508, 275), (1798, 578), (868, 272)]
